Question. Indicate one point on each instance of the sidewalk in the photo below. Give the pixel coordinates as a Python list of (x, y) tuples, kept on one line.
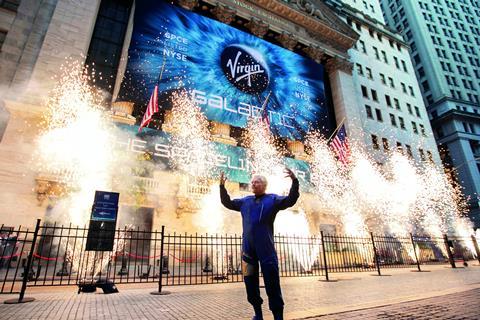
[(304, 297)]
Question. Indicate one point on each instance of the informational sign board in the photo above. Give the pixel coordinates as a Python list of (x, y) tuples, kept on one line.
[(103, 220)]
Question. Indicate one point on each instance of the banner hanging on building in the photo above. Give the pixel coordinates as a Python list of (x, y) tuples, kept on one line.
[(234, 161), (227, 72)]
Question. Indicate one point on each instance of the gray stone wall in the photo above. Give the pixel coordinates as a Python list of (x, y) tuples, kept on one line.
[(24, 40), (42, 34)]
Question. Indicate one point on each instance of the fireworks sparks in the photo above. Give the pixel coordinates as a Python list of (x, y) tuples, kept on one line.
[(397, 198), (76, 141), (191, 135)]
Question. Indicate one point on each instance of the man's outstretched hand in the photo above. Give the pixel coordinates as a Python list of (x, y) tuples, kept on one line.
[(222, 178), (289, 173)]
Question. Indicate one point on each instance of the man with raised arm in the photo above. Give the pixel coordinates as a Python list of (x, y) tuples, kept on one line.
[(258, 214)]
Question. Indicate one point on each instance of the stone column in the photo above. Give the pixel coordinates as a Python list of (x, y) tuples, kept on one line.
[(122, 112), (344, 96), (297, 149), (315, 53), (188, 4), (224, 13), (69, 34), (257, 27), (221, 133), (287, 40)]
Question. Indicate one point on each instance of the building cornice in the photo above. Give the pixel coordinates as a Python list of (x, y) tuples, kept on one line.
[(320, 21), (310, 23), (455, 115), (450, 99), (385, 30)]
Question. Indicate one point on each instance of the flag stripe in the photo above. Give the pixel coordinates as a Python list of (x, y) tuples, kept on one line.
[(340, 146), (152, 108)]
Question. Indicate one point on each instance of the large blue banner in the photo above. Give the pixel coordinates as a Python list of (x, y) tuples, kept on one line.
[(232, 160), (229, 73)]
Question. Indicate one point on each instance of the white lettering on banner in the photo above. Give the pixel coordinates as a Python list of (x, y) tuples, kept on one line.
[(176, 55), (184, 154), (174, 37), (138, 146), (162, 150), (221, 161), (201, 98)]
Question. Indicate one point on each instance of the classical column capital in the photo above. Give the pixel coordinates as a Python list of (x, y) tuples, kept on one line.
[(315, 53), (188, 4), (287, 40), (337, 63), (257, 27), (224, 13)]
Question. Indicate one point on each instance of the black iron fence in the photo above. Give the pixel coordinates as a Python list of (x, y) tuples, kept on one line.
[(58, 256)]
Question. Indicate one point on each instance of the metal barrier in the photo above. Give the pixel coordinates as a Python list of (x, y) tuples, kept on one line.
[(58, 256)]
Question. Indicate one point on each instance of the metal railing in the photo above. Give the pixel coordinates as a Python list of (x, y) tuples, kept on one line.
[(58, 256)]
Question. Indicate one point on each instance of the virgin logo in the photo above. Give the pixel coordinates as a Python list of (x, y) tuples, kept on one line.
[(240, 71), (245, 69)]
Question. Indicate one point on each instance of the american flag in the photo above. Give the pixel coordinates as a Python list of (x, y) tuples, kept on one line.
[(340, 146), (152, 108)]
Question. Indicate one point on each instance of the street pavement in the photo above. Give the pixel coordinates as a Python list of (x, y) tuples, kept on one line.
[(457, 306), (442, 293)]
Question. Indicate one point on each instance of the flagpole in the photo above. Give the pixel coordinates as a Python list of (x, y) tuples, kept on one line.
[(163, 68), (264, 105), (335, 131)]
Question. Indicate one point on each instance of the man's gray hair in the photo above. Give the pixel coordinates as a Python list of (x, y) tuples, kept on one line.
[(261, 178)]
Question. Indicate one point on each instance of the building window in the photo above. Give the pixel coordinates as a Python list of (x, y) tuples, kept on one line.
[(440, 133), (375, 144), (368, 71), (399, 147), (10, 4), (396, 103), (386, 147), (425, 86), (393, 120), (384, 55), (409, 150), (359, 69), (374, 95), (375, 50), (417, 112), (430, 156), (402, 123), (382, 78), (422, 130), (409, 108), (362, 46), (3, 35), (368, 110), (412, 93), (392, 83), (422, 154), (378, 113), (107, 41), (364, 91), (414, 127), (388, 100)]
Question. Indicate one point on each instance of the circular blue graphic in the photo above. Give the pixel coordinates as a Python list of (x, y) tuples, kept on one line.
[(245, 69)]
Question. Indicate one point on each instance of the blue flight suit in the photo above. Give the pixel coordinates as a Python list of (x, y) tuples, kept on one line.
[(258, 215)]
